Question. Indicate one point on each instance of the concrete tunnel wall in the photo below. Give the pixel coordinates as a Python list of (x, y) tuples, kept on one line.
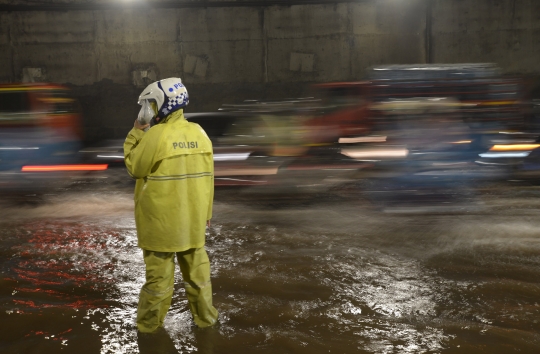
[(228, 54)]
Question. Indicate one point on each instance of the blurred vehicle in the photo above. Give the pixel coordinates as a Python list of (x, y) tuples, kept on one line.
[(514, 155), (342, 126), (40, 136), (490, 107), (517, 153), (299, 139), (429, 129), (434, 170), (262, 150), (242, 149), (388, 127), (341, 110), (488, 102)]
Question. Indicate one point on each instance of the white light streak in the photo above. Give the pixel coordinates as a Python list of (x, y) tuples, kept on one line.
[(496, 155), (232, 157)]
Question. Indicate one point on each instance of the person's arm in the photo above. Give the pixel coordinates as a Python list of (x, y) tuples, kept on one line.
[(138, 152)]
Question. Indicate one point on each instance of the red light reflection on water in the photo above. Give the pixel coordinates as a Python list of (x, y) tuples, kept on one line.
[(80, 304), (49, 335), (62, 266), (40, 333)]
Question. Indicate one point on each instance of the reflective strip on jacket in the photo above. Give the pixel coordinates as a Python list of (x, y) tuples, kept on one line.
[(174, 168)]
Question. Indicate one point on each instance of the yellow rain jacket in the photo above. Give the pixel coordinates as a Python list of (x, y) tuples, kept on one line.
[(174, 167)]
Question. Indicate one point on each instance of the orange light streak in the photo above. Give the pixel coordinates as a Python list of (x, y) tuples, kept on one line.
[(53, 168), (515, 147)]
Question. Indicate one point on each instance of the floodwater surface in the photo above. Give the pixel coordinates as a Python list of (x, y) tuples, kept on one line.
[(332, 276)]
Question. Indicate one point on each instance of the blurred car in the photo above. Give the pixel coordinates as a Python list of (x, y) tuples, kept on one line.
[(242, 147), (293, 145), (490, 110), (341, 111), (40, 136), (488, 102), (435, 169)]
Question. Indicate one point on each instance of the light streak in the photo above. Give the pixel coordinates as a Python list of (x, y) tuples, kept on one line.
[(55, 168), (495, 155), (514, 147)]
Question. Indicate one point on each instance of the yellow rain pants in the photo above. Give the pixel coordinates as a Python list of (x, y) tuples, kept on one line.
[(156, 294)]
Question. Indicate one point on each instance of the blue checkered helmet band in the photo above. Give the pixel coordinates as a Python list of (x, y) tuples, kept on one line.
[(172, 104)]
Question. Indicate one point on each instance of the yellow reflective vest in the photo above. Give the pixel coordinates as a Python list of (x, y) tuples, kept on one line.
[(174, 168)]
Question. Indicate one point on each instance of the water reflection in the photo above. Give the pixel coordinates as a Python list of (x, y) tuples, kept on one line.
[(320, 289), (334, 277), (156, 343)]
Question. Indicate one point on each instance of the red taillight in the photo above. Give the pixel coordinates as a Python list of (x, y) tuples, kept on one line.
[(54, 168)]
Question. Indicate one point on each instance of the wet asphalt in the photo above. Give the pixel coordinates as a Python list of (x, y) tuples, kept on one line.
[(324, 274)]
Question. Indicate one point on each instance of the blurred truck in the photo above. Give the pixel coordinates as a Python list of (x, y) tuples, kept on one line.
[(491, 107), (40, 137)]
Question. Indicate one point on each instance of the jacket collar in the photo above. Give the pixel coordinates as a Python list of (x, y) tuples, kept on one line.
[(175, 116)]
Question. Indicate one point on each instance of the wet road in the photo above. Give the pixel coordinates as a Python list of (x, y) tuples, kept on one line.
[(331, 276)]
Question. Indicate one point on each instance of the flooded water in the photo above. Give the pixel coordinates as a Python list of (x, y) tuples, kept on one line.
[(326, 276)]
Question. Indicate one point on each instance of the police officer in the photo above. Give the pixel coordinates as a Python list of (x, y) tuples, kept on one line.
[(173, 165)]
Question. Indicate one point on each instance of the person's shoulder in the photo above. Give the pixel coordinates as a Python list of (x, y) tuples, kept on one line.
[(193, 124), (198, 128)]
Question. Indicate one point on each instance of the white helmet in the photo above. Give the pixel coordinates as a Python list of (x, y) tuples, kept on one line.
[(169, 94)]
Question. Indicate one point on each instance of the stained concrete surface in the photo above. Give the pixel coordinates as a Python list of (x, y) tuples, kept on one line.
[(249, 49)]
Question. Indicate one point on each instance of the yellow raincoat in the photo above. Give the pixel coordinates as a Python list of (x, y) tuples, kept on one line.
[(174, 168)]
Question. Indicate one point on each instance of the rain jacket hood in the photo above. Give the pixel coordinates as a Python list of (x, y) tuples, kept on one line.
[(173, 165)]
